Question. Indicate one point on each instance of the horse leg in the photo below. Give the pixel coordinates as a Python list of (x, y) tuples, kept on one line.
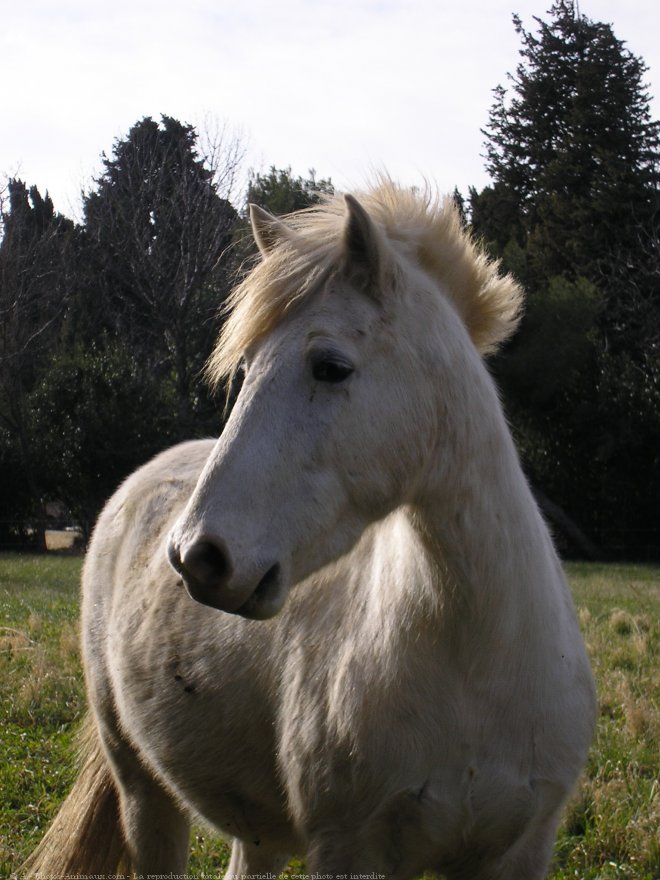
[(530, 855), (252, 860), (156, 829), (343, 854)]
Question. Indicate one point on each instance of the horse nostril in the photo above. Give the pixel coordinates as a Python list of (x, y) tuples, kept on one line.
[(174, 556), (205, 563)]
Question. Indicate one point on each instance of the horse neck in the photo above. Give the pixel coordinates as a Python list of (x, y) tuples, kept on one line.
[(484, 536)]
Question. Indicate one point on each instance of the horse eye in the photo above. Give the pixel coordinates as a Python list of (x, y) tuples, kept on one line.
[(328, 369)]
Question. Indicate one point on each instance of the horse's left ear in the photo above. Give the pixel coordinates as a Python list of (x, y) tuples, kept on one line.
[(363, 246), (268, 231)]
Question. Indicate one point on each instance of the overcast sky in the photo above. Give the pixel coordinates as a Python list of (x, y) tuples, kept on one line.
[(341, 86)]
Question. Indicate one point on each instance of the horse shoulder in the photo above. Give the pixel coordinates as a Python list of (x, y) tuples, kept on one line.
[(134, 513), (126, 580)]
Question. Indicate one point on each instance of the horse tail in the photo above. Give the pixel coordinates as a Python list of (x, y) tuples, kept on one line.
[(86, 835)]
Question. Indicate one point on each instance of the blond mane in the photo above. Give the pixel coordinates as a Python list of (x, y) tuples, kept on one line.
[(429, 230)]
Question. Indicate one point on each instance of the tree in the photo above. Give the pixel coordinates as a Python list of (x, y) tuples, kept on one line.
[(35, 275), (281, 193), (574, 141), (278, 192), (573, 211), (157, 227), (99, 412)]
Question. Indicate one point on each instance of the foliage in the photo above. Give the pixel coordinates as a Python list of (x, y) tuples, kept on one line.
[(156, 234), (16, 500), (572, 211), (105, 327), (34, 248), (100, 412), (35, 266), (609, 829), (575, 138), (280, 193)]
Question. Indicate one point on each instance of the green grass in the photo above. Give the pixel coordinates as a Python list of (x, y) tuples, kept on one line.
[(610, 831), (41, 695)]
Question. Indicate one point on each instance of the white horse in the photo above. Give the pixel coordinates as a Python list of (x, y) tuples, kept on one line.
[(390, 677)]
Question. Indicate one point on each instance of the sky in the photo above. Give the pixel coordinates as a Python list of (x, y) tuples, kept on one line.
[(346, 87)]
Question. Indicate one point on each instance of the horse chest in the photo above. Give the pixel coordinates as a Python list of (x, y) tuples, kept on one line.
[(404, 794), (406, 762), (409, 795)]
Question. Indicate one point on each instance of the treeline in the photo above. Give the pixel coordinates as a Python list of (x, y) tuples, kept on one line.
[(105, 324), (574, 212)]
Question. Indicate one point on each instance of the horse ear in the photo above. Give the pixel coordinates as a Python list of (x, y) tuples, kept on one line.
[(268, 231), (362, 244)]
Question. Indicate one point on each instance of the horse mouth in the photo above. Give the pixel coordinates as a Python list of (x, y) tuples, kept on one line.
[(268, 597)]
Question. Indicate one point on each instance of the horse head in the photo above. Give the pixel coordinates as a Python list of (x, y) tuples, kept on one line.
[(346, 341)]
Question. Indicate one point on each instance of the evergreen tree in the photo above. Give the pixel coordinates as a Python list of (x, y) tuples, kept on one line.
[(281, 193), (157, 233), (36, 270), (574, 142), (575, 161), (97, 413)]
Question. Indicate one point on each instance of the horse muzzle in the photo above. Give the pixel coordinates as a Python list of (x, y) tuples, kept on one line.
[(212, 578)]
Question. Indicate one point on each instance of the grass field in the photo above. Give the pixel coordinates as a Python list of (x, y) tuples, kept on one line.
[(611, 828)]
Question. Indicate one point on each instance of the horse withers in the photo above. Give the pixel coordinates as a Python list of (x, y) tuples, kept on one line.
[(342, 631)]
